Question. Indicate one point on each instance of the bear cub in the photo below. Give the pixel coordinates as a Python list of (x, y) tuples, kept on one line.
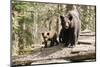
[(49, 38)]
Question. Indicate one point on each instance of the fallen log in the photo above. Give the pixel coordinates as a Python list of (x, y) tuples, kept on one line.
[(88, 42), (83, 52), (87, 34), (79, 53)]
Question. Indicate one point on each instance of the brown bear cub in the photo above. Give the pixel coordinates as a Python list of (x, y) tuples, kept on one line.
[(49, 37)]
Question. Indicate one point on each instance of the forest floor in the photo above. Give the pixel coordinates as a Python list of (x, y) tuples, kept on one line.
[(84, 50)]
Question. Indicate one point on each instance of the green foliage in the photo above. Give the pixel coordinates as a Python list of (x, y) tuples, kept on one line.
[(88, 17)]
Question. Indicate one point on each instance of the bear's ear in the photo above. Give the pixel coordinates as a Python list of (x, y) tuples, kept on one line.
[(70, 17), (61, 17), (42, 34), (48, 34)]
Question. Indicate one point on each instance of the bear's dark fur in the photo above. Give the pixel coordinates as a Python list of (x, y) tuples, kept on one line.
[(49, 36), (71, 26)]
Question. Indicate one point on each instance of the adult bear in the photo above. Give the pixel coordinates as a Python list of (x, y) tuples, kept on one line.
[(71, 26), (49, 36)]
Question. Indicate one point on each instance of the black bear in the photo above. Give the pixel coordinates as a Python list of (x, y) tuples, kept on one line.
[(71, 26), (49, 36)]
